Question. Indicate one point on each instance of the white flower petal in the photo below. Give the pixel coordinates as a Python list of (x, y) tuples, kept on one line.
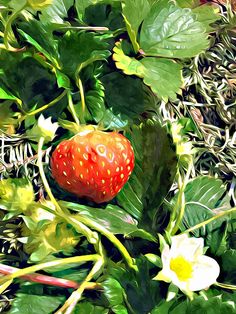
[(205, 273), (165, 255), (41, 120), (187, 247), (163, 276), (182, 285)]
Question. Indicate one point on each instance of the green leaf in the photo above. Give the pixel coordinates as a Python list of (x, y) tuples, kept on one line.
[(108, 100), (172, 32), (119, 309), (106, 13), (16, 4), (142, 293), (56, 12), (207, 15), (113, 218), (154, 259), (113, 291), (187, 3), (88, 308), (228, 266), (4, 94), (163, 307), (41, 39), (34, 90), (134, 12), (203, 195), (162, 75), (63, 80), (100, 109), (77, 50), (34, 304), (214, 305), (153, 174), (128, 103), (82, 5)]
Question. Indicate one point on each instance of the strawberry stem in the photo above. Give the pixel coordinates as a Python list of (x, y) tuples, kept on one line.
[(179, 207), (50, 104), (81, 89), (110, 236), (206, 222), (72, 108), (225, 286), (47, 280), (28, 270), (70, 304), (43, 177)]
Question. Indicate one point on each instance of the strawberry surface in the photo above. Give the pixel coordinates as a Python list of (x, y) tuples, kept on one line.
[(93, 164)]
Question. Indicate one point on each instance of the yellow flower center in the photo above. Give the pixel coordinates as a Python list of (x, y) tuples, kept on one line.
[(182, 268)]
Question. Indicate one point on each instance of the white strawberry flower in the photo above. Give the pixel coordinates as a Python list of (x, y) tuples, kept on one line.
[(186, 266), (43, 128)]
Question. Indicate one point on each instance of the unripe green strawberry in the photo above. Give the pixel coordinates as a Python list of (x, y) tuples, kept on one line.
[(93, 164)]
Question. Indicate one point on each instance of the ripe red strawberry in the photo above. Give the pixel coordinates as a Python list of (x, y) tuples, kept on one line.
[(93, 164)]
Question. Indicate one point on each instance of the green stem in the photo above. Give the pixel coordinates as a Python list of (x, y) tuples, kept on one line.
[(91, 236), (50, 104), (225, 286), (8, 28), (180, 204), (70, 304), (110, 236), (81, 89), (206, 222), (45, 279), (59, 262), (72, 108), (43, 177), (179, 207)]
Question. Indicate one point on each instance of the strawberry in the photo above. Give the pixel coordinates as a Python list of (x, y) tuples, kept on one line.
[(93, 164)]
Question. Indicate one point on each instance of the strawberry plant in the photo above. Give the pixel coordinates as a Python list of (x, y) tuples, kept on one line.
[(117, 159)]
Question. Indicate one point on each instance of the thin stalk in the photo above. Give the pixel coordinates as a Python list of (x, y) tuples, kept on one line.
[(206, 222), (180, 206), (225, 286), (72, 108), (70, 304), (181, 199), (43, 177), (50, 104), (110, 236), (47, 280), (59, 262), (81, 89)]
